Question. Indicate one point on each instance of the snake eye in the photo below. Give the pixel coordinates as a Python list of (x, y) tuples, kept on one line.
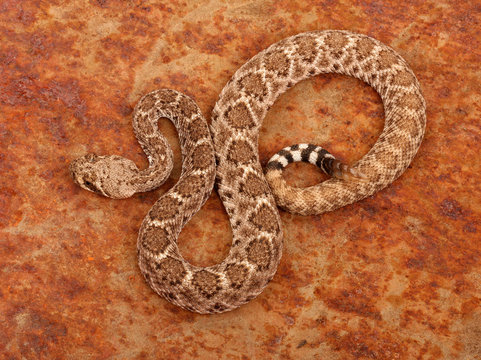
[(90, 186)]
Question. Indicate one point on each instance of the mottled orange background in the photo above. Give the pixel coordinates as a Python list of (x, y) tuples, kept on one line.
[(396, 276)]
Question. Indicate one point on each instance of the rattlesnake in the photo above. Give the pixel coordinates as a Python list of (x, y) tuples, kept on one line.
[(232, 158)]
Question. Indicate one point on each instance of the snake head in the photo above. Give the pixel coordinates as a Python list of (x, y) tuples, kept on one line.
[(110, 176)]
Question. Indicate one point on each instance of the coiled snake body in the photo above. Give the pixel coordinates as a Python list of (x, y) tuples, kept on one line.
[(244, 190)]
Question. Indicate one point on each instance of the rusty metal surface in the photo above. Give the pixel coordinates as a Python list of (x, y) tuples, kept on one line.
[(396, 276)]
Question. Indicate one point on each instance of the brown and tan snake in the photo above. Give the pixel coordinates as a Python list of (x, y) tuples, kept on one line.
[(232, 159)]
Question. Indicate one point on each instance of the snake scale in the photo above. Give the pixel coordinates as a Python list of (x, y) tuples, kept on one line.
[(231, 159)]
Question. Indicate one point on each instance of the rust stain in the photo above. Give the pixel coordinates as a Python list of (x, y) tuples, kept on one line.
[(395, 276)]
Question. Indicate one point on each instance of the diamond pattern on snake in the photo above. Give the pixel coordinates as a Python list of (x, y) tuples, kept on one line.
[(226, 153)]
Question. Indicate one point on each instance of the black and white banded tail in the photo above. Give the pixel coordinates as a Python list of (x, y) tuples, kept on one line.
[(314, 155)]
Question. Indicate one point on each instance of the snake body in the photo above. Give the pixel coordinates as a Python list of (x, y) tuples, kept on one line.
[(231, 157)]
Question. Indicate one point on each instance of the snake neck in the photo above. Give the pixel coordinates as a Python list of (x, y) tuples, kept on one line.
[(154, 145)]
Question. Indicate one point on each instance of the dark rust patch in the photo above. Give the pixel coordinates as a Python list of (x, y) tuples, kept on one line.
[(451, 208)]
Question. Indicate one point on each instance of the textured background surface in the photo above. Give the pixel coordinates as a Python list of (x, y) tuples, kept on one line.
[(396, 276)]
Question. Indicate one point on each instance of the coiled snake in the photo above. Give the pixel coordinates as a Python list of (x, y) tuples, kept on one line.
[(232, 159)]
